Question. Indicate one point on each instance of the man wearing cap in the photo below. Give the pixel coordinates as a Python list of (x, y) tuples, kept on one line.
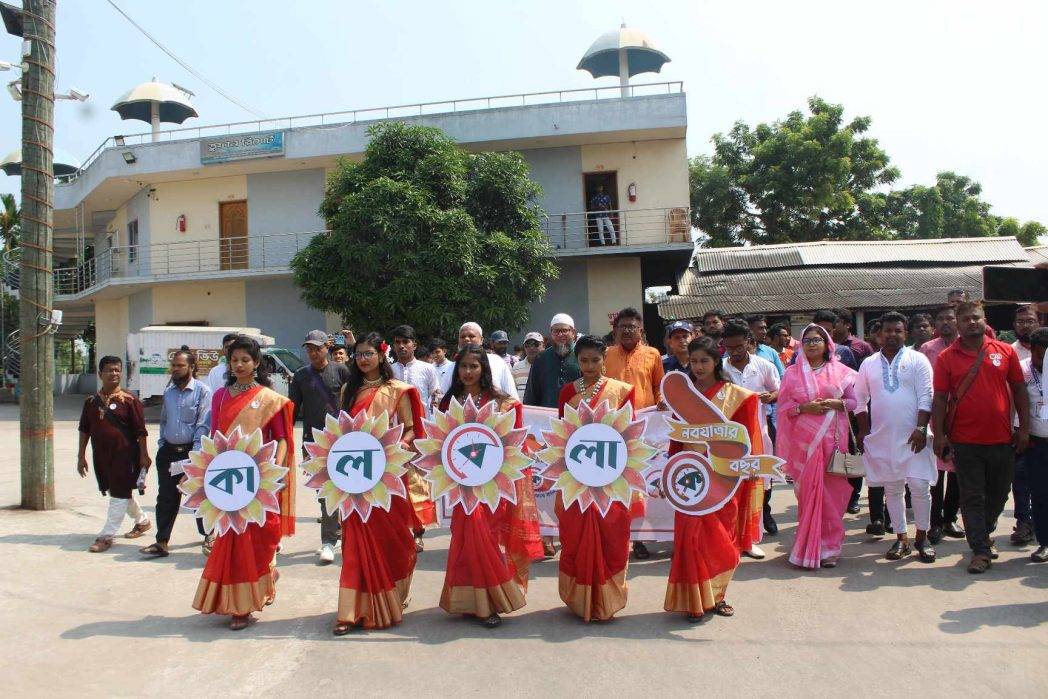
[(533, 344), (554, 366), (500, 344), (471, 334), (678, 335), (314, 390)]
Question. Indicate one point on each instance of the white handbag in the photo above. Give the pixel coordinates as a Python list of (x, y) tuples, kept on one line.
[(846, 465)]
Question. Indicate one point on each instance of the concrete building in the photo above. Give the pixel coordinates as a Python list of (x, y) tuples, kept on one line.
[(198, 225)]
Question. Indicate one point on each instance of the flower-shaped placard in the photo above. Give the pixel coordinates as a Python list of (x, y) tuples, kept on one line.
[(233, 481), (356, 464), (596, 456), (473, 455)]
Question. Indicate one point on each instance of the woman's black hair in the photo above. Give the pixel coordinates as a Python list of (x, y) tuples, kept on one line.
[(356, 376), (590, 342), (191, 359), (107, 360), (709, 346), (487, 385), (823, 334), (247, 344)]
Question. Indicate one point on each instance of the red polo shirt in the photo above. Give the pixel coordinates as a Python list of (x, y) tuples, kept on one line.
[(984, 413)]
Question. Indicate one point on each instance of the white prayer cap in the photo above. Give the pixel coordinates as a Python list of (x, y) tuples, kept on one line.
[(562, 319), (474, 326)]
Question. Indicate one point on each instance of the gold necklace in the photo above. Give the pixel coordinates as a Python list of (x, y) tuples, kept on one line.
[(580, 387), (373, 383), (237, 388)]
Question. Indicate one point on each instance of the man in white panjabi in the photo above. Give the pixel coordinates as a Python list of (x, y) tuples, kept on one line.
[(893, 394), (471, 334)]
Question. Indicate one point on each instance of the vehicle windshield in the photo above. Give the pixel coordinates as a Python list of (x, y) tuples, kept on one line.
[(290, 360)]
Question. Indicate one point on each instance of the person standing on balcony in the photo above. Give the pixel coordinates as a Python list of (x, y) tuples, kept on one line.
[(314, 390), (185, 417), (216, 378), (113, 422), (600, 207)]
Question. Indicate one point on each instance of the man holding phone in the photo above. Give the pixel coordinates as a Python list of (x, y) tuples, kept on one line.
[(976, 381)]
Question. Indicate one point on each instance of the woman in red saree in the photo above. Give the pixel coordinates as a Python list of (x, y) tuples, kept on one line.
[(705, 554), (491, 552), (378, 556), (595, 548), (240, 574)]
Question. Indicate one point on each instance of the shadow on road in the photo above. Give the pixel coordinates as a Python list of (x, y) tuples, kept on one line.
[(1025, 616)]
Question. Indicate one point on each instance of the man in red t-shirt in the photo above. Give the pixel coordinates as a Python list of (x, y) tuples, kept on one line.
[(980, 436)]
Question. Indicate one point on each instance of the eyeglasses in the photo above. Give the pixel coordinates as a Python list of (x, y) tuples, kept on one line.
[(813, 341), (365, 355)]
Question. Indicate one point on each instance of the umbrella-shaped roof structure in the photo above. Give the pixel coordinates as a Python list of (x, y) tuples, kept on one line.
[(173, 105), (64, 163), (623, 52)]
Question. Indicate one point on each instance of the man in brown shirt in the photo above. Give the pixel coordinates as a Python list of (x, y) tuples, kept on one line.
[(113, 422)]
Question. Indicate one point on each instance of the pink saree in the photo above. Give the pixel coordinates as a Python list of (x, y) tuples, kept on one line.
[(806, 442)]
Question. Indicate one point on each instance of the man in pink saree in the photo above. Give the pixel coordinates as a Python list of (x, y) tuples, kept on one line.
[(814, 400)]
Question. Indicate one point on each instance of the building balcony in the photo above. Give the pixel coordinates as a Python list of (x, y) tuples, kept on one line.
[(119, 269)]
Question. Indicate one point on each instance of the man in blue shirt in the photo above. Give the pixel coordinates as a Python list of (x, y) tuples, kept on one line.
[(600, 209), (184, 418), (678, 335)]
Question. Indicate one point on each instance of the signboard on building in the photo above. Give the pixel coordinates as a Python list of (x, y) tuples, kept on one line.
[(223, 149)]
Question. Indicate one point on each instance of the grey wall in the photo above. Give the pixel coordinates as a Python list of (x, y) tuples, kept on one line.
[(138, 208), (568, 294), (274, 306), (282, 202), (559, 172), (139, 310)]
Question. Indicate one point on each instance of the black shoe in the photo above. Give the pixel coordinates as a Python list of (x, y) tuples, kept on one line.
[(888, 528), (875, 528), (953, 531), (770, 527), (491, 622), (853, 507), (900, 549), (1040, 555), (935, 535), (925, 552), (640, 551), (1023, 534)]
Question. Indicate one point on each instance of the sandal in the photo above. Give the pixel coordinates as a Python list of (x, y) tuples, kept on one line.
[(238, 623), (722, 608), (491, 622), (101, 544), (899, 550), (548, 549), (139, 529), (209, 542), (925, 552), (640, 551), (343, 628), (158, 549), (273, 597), (979, 564), (695, 618), (830, 562)]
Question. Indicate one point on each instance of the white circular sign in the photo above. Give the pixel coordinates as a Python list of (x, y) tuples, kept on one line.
[(473, 454), (596, 454), (686, 482), (356, 462), (231, 481)]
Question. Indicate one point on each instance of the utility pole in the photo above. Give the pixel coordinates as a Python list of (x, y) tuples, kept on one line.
[(36, 285)]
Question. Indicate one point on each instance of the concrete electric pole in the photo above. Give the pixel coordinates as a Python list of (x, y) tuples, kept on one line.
[(36, 290)]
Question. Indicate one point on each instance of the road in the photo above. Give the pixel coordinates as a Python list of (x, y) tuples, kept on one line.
[(113, 624)]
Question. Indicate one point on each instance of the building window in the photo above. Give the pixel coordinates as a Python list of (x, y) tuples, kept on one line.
[(132, 241)]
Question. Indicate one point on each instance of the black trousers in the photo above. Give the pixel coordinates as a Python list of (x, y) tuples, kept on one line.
[(945, 499), (168, 496), (330, 526), (984, 472)]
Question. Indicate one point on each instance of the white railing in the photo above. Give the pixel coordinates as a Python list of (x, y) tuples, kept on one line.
[(399, 111), (588, 229)]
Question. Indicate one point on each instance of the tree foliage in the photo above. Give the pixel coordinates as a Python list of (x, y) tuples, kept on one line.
[(812, 177), (10, 222), (421, 232)]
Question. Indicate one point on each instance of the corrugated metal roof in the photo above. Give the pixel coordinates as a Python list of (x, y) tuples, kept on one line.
[(955, 250), (812, 288), (1038, 254)]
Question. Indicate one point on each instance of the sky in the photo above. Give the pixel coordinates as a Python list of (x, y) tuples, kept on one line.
[(949, 85)]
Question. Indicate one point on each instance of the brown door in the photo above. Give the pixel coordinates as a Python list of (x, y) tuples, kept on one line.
[(232, 235)]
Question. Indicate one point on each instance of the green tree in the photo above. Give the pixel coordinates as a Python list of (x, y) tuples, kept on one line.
[(424, 233), (10, 222), (1031, 233), (805, 178)]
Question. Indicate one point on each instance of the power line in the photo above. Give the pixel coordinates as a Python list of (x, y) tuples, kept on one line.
[(182, 63)]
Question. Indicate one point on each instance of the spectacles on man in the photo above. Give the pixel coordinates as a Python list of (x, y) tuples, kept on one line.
[(369, 354), (813, 341)]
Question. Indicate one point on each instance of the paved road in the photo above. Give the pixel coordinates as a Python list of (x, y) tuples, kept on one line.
[(111, 624)]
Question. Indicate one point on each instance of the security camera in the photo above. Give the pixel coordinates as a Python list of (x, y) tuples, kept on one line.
[(78, 95)]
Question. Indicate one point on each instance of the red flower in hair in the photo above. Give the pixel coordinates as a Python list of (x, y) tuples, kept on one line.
[(383, 347)]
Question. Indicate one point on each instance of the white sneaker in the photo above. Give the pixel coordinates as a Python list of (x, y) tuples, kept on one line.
[(755, 552), (325, 555)]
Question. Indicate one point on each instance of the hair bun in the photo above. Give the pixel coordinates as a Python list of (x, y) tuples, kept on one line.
[(184, 348)]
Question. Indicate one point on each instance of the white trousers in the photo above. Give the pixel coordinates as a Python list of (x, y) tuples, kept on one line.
[(118, 507), (602, 223), (920, 498)]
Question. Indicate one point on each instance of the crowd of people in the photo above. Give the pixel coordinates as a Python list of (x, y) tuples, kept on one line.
[(936, 414)]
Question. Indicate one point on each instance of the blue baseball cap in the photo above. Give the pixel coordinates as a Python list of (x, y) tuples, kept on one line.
[(679, 325)]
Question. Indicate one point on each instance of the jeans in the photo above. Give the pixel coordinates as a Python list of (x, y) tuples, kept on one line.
[(984, 472), (604, 222), (1021, 491), (945, 499), (1036, 458)]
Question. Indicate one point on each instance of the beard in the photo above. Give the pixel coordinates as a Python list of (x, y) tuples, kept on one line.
[(562, 350)]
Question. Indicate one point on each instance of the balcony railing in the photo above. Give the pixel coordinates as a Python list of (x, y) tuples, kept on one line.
[(626, 227), (400, 111)]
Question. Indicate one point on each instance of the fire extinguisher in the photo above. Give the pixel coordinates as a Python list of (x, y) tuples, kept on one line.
[(180, 224), (631, 191)]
